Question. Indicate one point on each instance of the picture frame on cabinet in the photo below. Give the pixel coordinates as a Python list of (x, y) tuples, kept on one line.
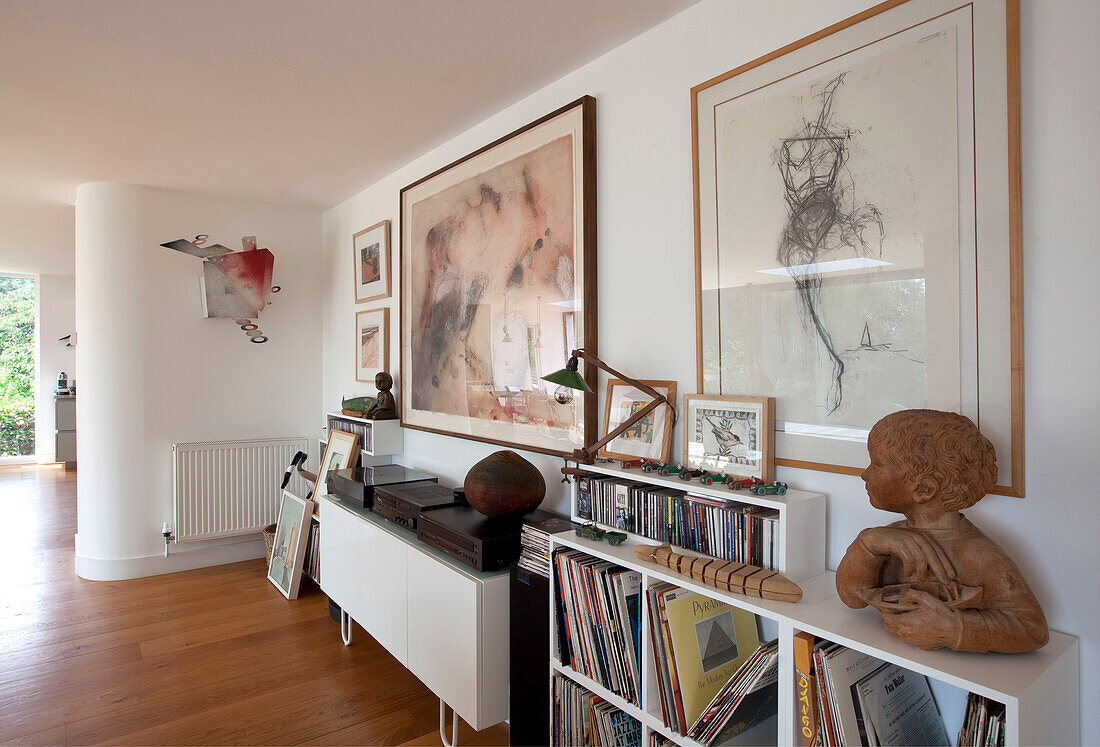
[(371, 250), (898, 128), (289, 548), (372, 343), (341, 452), (731, 434), (650, 437), (498, 249)]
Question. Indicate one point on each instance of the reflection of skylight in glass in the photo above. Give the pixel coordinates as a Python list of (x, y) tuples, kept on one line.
[(570, 305), (837, 432), (832, 265)]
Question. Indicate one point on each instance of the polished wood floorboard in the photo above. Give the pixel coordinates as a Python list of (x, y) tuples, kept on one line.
[(210, 656)]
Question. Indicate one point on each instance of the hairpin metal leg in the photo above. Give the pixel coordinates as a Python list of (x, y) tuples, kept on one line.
[(345, 627), (443, 725)]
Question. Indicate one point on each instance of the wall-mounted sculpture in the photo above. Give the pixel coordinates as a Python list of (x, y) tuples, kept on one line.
[(235, 285), (934, 577)]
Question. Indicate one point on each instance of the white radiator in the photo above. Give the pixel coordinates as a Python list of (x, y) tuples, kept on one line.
[(227, 488)]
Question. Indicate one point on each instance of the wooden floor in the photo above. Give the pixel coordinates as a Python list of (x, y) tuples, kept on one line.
[(211, 656)]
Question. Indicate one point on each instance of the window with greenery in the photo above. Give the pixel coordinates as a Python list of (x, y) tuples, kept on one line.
[(17, 379)]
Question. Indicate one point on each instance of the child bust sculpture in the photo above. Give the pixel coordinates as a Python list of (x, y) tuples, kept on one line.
[(934, 577), (385, 407)]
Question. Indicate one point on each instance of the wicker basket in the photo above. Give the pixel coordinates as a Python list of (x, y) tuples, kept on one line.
[(269, 541)]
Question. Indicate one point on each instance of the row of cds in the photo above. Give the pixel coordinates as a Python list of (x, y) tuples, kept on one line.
[(983, 724), (722, 527), (347, 425)]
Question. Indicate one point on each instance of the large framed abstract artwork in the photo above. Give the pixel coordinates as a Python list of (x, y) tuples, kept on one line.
[(857, 229), (498, 280)]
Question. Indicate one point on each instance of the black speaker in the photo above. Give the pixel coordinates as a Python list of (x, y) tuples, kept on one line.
[(529, 696)]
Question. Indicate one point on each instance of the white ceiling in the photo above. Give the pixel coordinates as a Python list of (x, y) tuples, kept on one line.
[(302, 102)]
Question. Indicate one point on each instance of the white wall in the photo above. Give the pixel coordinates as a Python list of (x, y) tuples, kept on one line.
[(154, 372), (646, 253), (56, 318)]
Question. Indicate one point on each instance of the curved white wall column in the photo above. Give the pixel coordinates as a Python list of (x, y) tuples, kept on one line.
[(154, 372)]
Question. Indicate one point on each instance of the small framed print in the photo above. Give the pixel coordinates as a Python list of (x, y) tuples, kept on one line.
[(650, 437), (730, 434), (341, 452), (372, 262), (372, 343), (289, 550)]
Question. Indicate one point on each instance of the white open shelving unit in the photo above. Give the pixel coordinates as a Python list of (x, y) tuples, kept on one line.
[(386, 436), (1040, 689)]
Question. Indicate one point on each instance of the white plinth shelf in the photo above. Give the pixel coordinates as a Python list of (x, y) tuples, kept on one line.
[(1040, 689)]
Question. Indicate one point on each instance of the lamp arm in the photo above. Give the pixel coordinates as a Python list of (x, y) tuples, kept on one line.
[(594, 448), (593, 360), (657, 396)]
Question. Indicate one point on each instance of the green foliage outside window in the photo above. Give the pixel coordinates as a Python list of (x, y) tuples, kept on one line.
[(17, 370)]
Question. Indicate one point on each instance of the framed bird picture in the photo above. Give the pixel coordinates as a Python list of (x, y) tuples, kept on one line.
[(731, 434)]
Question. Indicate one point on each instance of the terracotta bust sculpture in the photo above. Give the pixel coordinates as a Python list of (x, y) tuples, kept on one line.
[(934, 577), (385, 408)]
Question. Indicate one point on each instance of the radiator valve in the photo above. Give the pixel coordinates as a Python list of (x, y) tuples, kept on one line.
[(167, 537)]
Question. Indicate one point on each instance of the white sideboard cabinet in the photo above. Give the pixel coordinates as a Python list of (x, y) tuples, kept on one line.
[(443, 620)]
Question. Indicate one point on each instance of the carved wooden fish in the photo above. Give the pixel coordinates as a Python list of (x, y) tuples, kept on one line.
[(740, 578)]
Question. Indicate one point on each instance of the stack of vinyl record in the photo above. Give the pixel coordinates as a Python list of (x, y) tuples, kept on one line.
[(983, 724), (583, 718), (535, 540)]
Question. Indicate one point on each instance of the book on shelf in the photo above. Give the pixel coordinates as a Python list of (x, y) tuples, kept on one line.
[(983, 723), (805, 690), (598, 620), (864, 700), (723, 527), (699, 645), (583, 718)]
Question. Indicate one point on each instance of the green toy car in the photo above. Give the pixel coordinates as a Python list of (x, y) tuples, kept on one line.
[(764, 488), (670, 469), (615, 538)]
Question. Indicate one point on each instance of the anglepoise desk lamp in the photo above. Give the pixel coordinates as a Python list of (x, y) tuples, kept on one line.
[(569, 380)]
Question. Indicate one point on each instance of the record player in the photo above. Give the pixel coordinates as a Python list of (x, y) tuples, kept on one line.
[(404, 504), (481, 542), (358, 485)]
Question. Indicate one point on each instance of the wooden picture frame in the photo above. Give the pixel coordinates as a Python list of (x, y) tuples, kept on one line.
[(495, 248), (375, 325), (291, 540), (371, 255), (882, 307), (650, 437), (341, 452), (732, 434)]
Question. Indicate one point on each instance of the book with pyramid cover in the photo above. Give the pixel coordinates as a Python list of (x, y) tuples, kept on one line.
[(710, 640)]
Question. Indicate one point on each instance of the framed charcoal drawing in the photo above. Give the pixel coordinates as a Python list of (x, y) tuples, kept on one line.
[(498, 285), (650, 437), (848, 188), (730, 434), (371, 248), (372, 343)]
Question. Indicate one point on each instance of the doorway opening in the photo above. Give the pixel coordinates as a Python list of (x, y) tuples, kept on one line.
[(18, 367)]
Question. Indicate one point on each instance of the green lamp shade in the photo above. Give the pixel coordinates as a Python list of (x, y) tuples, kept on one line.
[(569, 379)]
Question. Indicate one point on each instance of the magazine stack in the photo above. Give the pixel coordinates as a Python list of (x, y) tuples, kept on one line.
[(600, 621), (583, 718), (722, 527), (715, 679), (864, 700)]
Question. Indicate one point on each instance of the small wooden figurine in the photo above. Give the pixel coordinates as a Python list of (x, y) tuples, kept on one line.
[(740, 578), (385, 408), (934, 577)]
